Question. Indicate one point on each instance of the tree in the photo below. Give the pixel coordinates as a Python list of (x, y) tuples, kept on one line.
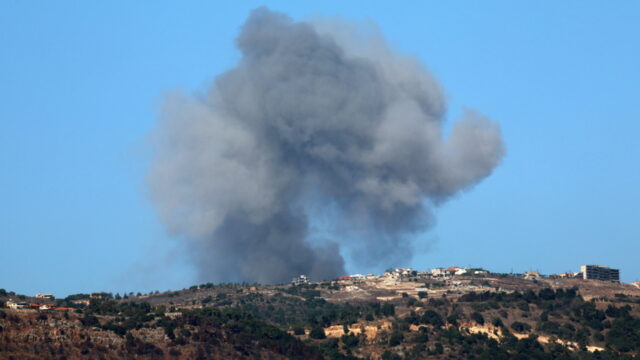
[(317, 332), (477, 317), (433, 318), (520, 326), (388, 309), (396, 338)]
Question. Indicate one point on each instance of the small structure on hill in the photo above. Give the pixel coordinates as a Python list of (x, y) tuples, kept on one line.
[(456, 270), (100, 295), (439, 272), (300, 280), (532, 275), (569, 275), (16, 305), (401, 273), (44, 296)]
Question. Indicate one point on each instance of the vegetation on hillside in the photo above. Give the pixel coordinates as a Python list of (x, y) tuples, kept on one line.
[(292, 322)]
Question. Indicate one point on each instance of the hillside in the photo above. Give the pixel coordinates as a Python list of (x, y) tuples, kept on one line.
[(465, 317)]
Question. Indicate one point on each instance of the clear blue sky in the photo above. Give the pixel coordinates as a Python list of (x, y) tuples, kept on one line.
[(81, 83)]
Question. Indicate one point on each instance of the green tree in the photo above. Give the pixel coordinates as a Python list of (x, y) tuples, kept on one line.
[(317, 332)]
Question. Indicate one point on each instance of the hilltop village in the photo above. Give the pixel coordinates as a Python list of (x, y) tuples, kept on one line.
[(451, 278), (443, 313), (587, 272)]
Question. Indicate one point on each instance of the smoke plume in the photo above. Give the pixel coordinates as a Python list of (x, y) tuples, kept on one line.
[(310, 119)]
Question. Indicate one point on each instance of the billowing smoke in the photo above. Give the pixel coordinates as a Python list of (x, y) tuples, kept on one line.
[(310, 119)]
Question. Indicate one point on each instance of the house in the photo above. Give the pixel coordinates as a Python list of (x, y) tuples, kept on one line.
[(406, 273), (300, 280), (100, 295), (455, 270), (44, 296), (439, 272), (569, 275), (16, 305), (400, 273), (44, 307), (532, 275), (636, 284), (64, 309), (85, 302)]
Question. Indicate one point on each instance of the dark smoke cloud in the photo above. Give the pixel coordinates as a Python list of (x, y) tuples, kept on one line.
[(310, 117)]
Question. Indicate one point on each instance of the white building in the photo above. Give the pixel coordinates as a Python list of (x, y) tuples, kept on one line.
[(532, 275), (439, 272), (300, 280), (15, 305)]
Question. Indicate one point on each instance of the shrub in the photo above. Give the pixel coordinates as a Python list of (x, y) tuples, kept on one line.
[(388, 309), (433, 318), (497, 322), (396, 338), (349, 341), (477, 317), (317, 332), (520, 326)]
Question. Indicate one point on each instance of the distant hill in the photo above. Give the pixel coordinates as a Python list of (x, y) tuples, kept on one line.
[(489, 316)]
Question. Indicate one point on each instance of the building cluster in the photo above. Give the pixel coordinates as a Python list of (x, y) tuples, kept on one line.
[(16, 305), (591, 272), (588, 272)]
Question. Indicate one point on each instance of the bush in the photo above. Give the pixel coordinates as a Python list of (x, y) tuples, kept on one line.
[(433, 318), (317, 332), (477, 317), (453, 319), (396, 338), (388, 309), (349, 341), (497, 322), (388, 355), (523, 306), (90, 320), (520, 326)]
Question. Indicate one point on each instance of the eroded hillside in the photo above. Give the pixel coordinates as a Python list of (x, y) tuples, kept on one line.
[(466, 317)]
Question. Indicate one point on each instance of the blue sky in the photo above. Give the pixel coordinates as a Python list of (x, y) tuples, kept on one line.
[(81, 84)]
